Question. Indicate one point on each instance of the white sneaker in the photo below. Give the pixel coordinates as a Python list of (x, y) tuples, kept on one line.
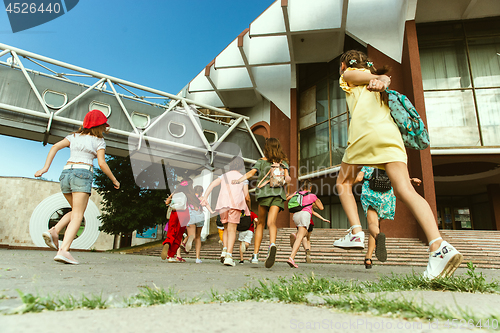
[(198, 261), (351, 241), (223, 255), (171, 259), (443, 262), (228, 261), (255, 259)]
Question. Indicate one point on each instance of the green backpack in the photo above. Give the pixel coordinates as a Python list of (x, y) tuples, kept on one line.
[(295, 203)]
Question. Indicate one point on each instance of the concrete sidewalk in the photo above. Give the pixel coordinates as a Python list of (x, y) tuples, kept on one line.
[(118, 276)]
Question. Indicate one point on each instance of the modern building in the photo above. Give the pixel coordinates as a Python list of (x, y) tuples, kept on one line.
[(283, 73)]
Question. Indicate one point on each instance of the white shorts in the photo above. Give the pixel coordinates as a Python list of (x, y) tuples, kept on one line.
[(246, 236), (302, 219)]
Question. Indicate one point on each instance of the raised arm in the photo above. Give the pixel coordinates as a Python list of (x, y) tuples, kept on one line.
[(50, 156), (374, 82)]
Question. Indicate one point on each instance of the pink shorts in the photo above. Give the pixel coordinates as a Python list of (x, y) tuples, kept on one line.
[(231, 216)]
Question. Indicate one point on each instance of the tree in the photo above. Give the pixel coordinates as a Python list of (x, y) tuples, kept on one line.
[(131, 207)]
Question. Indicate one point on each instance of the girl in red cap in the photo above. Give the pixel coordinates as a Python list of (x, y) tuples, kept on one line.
[(85, 145)]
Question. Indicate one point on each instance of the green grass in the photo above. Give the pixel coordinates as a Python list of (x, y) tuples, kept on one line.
[(346, 296)]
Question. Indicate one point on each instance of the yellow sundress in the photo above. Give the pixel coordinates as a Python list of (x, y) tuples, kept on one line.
[(373, 137)]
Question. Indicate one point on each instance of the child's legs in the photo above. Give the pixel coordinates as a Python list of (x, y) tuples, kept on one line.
[(371, 247), (259, 228), (345, 180), (400, 179), (78, 202), (63, 222), (306, 242), (301, 233), (191, 231), (231, 236), (373, 223), (271, 223), (176, 241), (197, 241)]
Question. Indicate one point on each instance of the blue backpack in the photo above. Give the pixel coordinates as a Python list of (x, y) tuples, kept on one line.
[(411, 126)]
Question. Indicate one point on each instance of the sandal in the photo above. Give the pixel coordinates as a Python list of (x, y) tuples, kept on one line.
[(380, 249), (292, 263), (368, 263), (180, 259)]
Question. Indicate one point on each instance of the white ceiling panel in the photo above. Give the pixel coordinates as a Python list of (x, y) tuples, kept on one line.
[(381, 25), (315, 15), (266, 50), (206, 97), (230, 57), (273, 82), (200, 83), (230, 78), (269, 22)]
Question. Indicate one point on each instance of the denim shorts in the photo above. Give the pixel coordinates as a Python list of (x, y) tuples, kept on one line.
[(76, 180)]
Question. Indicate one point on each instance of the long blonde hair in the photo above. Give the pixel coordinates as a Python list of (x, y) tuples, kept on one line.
[(273, 151)]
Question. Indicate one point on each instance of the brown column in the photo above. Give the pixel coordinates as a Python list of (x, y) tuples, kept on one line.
[(407, 79), (494, 198)]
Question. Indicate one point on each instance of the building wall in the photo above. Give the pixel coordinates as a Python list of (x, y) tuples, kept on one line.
[(18, 199)]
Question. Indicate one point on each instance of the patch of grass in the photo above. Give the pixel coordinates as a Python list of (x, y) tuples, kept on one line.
[(33, 303), (148, 296)]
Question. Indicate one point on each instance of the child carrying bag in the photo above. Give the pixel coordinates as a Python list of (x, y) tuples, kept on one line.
[(295, 203), (245, 223), (276, 176), (411, 126)]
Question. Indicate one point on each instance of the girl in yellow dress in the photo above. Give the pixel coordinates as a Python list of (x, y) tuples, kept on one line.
[(374, 140)]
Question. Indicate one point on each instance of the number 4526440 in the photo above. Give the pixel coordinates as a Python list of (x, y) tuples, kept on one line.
[(32, 8)]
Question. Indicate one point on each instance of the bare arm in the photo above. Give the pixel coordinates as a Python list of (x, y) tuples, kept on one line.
[(319, 216), (416, 181), (101, 160), (213, 184), (319, 204), (374, 82), (247, 196), (50, 156), (246, 176)]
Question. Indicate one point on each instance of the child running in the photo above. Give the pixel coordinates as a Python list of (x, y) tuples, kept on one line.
[(271, 199), (302, 219), (179, 200), (231, 201), (194, 227), (306, 241), (377, 205), (246, 231), (85, 145), (375, 140)]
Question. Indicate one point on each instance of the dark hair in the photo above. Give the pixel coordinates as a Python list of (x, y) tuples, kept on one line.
[(237, 164), (188, 191), (273, 151), (357, 59), (306, 185), (198, 189)]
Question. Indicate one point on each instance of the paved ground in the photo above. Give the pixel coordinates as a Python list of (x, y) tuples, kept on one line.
[(118, 276)]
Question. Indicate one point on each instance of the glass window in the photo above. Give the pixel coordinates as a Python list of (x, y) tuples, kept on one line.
[(176, 129), (451, 118), (140, 120), (337, 98), (488, 105), (339, 138), (54, 99), (485, 61), (105, 108), (307, 108), (314, 150), (211, 136), (321, 101), (444, 66)]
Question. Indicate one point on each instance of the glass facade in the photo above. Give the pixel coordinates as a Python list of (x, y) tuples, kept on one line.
[(323, 120), (460, 64)]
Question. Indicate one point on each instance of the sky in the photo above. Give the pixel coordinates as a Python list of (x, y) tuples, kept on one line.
[(162, 44)]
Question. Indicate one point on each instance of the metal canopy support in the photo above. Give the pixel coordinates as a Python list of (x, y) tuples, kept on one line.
[(124, 109), (80, 96)]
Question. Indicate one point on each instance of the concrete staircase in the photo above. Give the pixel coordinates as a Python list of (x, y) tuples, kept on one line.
[(480, 247)]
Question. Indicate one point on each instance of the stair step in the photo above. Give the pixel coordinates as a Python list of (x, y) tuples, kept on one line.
[(480, 247)]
